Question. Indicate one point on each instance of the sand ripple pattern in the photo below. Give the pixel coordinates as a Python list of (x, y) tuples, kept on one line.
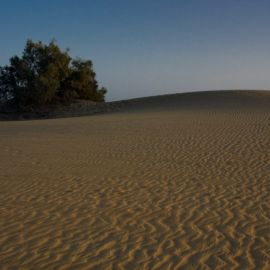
[(180, 189)]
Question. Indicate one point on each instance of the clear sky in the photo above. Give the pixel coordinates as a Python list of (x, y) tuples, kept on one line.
[(150, 47)]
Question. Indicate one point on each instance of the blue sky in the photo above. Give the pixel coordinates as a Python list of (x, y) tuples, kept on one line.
[(150, 47)]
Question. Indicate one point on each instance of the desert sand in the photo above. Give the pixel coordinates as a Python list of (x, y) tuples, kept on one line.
[(168, 182)]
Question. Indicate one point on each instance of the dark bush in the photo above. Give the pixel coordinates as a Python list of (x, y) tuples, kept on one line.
[(45, 75)]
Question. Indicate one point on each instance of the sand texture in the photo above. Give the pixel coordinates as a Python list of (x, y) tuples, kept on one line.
[(176, 184)]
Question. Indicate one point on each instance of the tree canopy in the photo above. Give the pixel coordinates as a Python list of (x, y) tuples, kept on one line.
[(45, 74)]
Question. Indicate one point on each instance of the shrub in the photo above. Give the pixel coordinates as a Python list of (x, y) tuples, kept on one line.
[(44, 75)]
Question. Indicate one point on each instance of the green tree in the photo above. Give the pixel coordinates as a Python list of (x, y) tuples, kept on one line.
[(44, 75), (81, 83)]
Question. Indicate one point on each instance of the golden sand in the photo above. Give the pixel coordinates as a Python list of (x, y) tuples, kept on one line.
[(187, 188)]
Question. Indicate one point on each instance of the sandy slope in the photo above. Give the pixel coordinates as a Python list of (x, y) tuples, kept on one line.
[(181, 188)]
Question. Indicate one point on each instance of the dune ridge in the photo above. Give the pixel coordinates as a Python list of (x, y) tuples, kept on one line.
[(203, 100), (161, 187)]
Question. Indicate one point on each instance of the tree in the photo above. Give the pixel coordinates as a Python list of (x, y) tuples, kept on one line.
[(44, 75), (81, 82)]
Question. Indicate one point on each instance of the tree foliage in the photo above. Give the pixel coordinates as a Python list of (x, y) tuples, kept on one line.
[(45, 74)]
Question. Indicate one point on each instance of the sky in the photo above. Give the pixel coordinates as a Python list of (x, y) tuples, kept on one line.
[(150, 47)]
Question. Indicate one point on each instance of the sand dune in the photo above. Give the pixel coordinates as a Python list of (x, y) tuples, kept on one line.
[(165, 183), (206, 100)]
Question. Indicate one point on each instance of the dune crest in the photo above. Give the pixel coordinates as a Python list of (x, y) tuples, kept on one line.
[(204, 100)]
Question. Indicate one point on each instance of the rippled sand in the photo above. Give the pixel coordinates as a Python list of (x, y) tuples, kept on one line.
[(181, 188)]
